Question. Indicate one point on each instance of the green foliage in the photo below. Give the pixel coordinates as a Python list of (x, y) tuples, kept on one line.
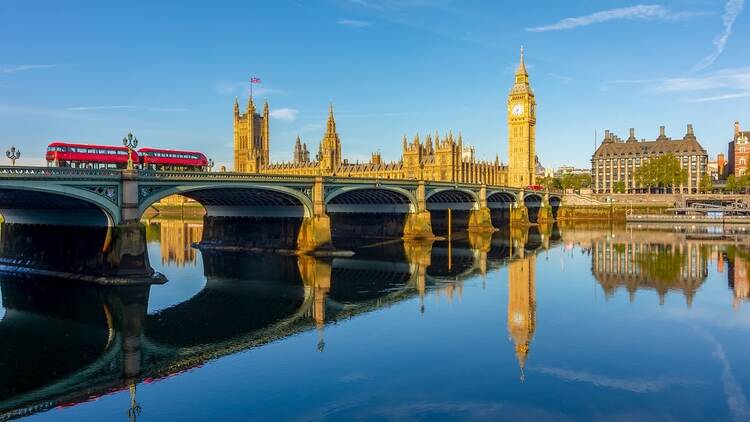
[(619, 187), (569, 181), (743, 182), (706, 184), (661, 172), (731, 184)]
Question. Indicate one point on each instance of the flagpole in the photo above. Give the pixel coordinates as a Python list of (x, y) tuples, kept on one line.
[(251, 88)]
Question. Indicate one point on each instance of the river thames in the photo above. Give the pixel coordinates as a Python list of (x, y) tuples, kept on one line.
[(547, 323)]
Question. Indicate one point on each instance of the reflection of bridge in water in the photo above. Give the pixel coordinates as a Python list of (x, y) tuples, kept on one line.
[(104, 340)]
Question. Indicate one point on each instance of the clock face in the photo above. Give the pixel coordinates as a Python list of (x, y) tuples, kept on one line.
[(518, 109)]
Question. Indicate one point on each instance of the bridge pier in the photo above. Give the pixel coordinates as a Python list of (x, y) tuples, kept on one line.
[(545, 211), (418, 225), (315, 233), (103, 255), (480, 219), (126, 254), (519, 214)]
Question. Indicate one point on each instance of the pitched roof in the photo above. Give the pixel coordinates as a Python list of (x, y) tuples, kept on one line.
[(687, 145)]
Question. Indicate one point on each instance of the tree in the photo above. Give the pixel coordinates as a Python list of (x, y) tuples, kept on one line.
[(743, 182), (731, 184), (619, 187), (706, 184), (661, 172)]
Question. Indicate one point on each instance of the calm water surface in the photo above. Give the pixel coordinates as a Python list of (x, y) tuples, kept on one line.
[(563, 323)]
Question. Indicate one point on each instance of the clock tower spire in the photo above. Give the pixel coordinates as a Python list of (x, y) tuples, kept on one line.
[(521, 130)]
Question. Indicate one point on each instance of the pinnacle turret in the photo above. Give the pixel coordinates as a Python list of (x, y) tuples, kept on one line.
[(521, 66), (331, 124)]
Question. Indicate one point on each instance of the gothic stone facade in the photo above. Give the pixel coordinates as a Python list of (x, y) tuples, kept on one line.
[(617, 160), (431, 158)]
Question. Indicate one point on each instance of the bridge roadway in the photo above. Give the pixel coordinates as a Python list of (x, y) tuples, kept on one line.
[(106, 341), (300, 213)]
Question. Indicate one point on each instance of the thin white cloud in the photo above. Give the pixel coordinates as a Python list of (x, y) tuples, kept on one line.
[(719, 97), (285, 114), (735, 397), (353, 23), (638, 12), (732, 9), (724, 84), (386, 5), (24, 67), (561, 78), (125, 107), (635, 385)]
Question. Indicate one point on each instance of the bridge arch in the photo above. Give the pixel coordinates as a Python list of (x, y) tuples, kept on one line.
[(370, 199), (239, 200), (501, 199), (554, 202), (460, 201), (368, 212), (48, 203), (533, 201), (452, 197)]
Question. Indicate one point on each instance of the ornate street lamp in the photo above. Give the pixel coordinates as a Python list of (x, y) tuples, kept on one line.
[(130, 142), (210, 164), (13, 154)]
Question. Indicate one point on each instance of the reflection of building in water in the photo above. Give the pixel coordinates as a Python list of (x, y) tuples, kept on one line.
[(522, 305), (659, 266), (738, 278), (177, 237)]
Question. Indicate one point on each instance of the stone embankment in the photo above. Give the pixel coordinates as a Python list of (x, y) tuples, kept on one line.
[(579, 207)]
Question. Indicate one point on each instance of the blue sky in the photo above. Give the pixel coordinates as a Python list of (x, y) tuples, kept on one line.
[(169, 71)]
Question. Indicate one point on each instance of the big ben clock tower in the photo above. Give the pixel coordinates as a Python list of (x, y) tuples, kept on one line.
[(521, 130)]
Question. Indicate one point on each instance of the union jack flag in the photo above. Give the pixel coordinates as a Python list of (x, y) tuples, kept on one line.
[(254, 80)]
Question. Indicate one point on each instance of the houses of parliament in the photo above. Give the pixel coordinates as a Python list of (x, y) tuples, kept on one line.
[(431, 158)]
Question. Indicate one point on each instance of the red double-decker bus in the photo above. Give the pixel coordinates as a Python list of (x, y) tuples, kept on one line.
[(174, 160), (63, 154)]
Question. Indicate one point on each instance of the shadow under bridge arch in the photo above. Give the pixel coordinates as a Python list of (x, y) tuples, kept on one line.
[(58, 205), (248, 216), (554, 203), (500, 205), (374, 212), (460, 201), (533, 202)]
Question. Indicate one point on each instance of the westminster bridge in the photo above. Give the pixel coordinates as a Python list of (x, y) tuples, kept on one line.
[(106, 339), (288, 212)]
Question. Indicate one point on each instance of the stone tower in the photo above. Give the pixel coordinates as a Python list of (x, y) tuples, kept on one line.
[(251, 138), (301, 154), (330, 147), (522, 306), (521, 130)]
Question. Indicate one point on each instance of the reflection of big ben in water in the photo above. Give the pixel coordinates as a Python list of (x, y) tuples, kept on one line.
[(522, 306)]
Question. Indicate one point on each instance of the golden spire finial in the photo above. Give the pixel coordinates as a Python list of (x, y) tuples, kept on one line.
[(521, 64), (331, 126)]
